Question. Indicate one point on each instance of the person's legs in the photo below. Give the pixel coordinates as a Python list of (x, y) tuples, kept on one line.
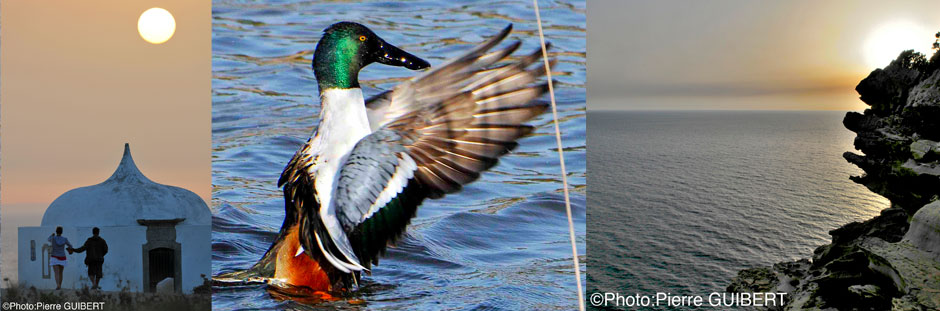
[(58, 276), (95, 273), (91, 275)]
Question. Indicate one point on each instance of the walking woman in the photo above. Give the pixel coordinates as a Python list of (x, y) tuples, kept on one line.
[(57, 258)]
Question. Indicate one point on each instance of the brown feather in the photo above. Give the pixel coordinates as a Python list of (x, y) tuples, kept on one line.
[(463, 115)]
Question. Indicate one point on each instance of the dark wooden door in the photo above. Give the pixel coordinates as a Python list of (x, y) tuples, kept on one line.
[(161, 266)]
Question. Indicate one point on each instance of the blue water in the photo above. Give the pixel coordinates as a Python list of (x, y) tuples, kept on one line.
[(680, 201), (500, 244)]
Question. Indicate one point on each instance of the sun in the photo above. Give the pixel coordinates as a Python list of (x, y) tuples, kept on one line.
[(888, 40), (156, 25)]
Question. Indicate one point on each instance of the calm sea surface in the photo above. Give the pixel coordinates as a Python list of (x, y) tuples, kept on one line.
[(680, 201), (500, 244)]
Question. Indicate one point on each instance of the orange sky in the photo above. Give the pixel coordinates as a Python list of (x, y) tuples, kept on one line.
[(79, 82), (738, 54)]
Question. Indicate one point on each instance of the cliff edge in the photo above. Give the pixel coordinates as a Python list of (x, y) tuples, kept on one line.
[(892, 261)]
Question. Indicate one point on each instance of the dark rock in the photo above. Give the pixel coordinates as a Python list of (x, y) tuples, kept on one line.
[(886, 90), (857, 122), (753, 280), (793, 269), (867, 291), (889, 226), (923, 120)]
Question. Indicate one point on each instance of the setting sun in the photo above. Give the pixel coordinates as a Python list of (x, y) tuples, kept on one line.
[(888, 40), (156, 25)]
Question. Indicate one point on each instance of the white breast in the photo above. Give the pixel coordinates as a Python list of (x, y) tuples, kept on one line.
[(343, 122)]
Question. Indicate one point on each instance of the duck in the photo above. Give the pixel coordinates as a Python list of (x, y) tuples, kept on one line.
[(352, 189)]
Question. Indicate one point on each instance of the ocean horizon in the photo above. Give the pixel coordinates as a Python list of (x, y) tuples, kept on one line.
[(682, 200)]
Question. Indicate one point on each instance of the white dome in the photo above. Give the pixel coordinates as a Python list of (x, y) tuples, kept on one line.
[(123, 199)]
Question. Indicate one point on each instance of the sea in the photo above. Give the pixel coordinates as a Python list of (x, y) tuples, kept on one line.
[(680, 201), (501, 243)]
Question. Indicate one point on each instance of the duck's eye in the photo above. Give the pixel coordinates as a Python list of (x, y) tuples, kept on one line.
[(362, 38)]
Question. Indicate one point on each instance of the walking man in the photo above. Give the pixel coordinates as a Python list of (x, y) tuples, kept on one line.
[(94, 259)]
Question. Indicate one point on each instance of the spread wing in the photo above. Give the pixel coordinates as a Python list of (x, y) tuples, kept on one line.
[(432, 135)]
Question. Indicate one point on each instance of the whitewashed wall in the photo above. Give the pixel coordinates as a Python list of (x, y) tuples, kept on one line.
[(123, 263), (196, 246)]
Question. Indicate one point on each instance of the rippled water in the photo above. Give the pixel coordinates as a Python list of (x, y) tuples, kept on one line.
[(680, 201), (500, 244)]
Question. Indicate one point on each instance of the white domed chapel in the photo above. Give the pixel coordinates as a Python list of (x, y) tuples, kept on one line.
[(154, 233)]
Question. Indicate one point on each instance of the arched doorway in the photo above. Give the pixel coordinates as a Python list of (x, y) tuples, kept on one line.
[(162, 256), (162, 266)]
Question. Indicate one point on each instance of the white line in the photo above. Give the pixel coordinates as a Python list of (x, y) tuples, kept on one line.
[(561, 159)]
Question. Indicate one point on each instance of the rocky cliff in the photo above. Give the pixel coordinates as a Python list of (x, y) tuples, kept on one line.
[(892, 261), (899, 134)]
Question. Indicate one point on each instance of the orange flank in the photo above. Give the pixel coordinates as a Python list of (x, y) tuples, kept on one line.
[(299, 270)]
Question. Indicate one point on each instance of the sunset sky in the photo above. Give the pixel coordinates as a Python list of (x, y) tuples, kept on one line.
[(745, 55), (79, 82)]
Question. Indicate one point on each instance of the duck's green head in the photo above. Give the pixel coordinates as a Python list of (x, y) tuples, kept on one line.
[(347, 47)]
